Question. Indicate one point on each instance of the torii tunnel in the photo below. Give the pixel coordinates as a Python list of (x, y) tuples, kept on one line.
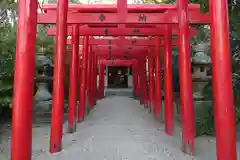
[(151, 27)]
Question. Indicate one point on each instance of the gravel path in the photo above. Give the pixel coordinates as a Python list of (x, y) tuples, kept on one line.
[(118, 129)]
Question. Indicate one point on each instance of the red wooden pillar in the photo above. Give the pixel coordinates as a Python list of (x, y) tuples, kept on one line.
[(21, 147), (153, 84), (145, 84), (222, 82), (90, 79), (141, 80), (134, 77), (168, 85), (72, 106), (83, 85), (137, 78), (95, 79), (79, 69), (58, 77), (186, 98), (101, 82), (158, 91), (150, 82)]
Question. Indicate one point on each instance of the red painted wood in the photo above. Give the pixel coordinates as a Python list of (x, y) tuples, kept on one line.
[(141, 81), (90, 78), (112, 8), (58, 78), (224, 109), (186, 97), (21, 144), (101, 82), (120, 54), (158, 90), (150, 82), (126, 42), (134, 79), (121, 31), (145, 84), (118, 62), (127, 25), (92, 70), (82, 99), (116, 49), (154, 83), (131, 18), (73, 78), (168, 83), (95, 80)]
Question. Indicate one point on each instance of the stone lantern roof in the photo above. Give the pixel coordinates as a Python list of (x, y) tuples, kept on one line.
[(200, 58), (41, 59)]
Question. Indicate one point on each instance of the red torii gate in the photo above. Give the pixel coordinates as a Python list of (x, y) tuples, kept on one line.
[(116, 62), (138, 72), (116, 54), (127, 31), (124, 31), (121, 54), (24, 66), (143, 97)]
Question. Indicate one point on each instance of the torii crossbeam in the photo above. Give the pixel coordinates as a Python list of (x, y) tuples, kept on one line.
[(125, 42), (121, 31)]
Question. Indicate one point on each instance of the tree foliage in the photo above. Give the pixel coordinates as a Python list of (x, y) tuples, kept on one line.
[(8, 29), (8, 14), (45, 41)]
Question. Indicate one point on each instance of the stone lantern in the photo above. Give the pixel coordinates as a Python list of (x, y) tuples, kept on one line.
[(201, 75), (201, 69), (43, 98)]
